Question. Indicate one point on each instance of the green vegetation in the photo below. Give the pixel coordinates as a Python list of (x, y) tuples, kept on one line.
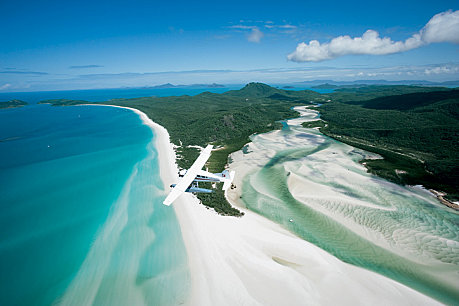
[(416, 133), (414, 128), (314, 124), (217, 200), (363, 93), (12, 104)]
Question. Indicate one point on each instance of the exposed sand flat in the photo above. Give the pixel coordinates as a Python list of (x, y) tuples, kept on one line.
[(253, 261)]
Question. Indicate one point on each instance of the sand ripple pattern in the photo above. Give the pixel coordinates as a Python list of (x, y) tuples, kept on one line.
[(315, 187)]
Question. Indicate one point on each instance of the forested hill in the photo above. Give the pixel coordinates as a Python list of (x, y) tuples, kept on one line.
[(364, 93), (260, 90), (410, 101), (417, 133), (254, 90)]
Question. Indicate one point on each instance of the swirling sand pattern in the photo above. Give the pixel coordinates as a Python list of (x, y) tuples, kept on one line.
[(315, 187), (137, 257)]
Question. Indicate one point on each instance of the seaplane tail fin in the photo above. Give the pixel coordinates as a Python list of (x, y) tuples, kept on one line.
[(227, 182)]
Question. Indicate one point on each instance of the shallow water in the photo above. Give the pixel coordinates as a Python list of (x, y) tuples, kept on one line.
[(81, 218), (315, 187)]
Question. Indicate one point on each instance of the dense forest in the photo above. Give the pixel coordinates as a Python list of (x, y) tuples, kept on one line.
[(414, 128)]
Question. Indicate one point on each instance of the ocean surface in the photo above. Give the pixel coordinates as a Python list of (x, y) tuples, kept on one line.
[(315, 187), (81, 219)]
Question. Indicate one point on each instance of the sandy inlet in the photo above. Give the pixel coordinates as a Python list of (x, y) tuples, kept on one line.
[(254, 261), (315, 187)]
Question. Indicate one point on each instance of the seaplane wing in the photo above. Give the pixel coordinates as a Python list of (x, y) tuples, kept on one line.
[(189, 177)]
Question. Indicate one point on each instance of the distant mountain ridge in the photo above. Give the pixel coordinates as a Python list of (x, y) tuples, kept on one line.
[(169, 85), (331, 83)]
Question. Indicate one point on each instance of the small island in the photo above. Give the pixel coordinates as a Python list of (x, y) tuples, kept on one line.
[(12, 104), (314, 124), (325, 86)]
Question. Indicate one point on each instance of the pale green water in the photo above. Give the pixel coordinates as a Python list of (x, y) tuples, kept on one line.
[(400, 232)]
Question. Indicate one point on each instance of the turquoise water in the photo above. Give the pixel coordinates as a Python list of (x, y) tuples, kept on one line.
[(314, 186), (81, 219)]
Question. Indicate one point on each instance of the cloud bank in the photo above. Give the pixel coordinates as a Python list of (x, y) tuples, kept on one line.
[(443, 27), (85, 66), (23, 72), (5, 86)]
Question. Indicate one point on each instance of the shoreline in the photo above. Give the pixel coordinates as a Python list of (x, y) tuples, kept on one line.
[(251, 260), (440, 196)]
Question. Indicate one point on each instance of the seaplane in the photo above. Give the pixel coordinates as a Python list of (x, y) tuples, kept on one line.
[(189, 179)]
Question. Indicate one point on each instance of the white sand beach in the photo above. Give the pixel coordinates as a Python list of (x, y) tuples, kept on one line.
[(253, 261)]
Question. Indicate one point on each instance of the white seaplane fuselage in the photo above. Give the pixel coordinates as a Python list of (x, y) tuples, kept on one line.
[(189, 179)]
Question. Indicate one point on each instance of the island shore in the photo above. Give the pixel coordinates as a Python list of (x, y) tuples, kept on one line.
[(253, 261)]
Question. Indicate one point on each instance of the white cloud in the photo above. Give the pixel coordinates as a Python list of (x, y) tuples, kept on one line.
[(242, 27), (287, 26), (441, 70), (5, 86), (255, 35), (443, 27)]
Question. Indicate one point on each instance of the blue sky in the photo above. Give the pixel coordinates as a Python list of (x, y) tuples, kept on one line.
[(53, 45)]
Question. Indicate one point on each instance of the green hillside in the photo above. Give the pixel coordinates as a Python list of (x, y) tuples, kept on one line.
[(410, 101), (368, 92)]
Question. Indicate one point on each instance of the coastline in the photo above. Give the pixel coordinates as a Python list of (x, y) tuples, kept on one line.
[(440, 196), (253, 261)]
